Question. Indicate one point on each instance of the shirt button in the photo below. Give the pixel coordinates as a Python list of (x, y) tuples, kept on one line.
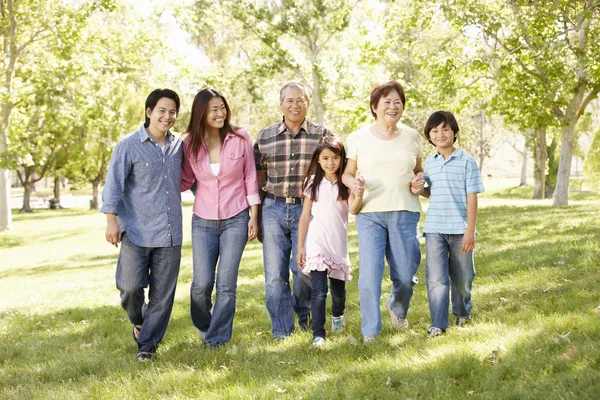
[(167, 192), (168, 234), (146, 164)]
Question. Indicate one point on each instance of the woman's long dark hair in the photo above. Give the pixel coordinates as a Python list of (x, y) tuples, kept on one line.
[(196, 128), (314, 169)]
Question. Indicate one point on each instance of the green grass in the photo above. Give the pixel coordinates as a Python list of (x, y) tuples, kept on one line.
[(64, 336)]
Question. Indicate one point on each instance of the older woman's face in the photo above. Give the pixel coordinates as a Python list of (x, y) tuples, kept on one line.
[(389, 109)]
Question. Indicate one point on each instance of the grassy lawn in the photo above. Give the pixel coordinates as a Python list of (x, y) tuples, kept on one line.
[(535, 331)]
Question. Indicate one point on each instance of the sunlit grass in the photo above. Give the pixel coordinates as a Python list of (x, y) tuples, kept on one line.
[(534, 334)]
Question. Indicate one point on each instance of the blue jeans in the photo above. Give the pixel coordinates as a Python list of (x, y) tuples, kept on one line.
[(280, 244), (392, 234), (140, 267), (212, 240), (448, 267), (319, 298)]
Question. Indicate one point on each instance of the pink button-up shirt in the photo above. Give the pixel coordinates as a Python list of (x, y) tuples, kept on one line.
[(233, 189)]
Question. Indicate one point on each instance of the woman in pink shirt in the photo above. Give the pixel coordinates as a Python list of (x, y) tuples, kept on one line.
[(219, 158)]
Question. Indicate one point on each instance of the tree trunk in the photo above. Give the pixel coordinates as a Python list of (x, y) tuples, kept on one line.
[(316, 84), (5, 211), (27, 189), (94, 204), (561, 192), (524, 166), (55, 202), (539, 169)]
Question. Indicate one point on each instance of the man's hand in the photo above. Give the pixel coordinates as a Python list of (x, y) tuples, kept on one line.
[(113, 231)]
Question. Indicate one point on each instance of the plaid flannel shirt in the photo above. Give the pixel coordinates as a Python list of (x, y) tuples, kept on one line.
[(285, 157)]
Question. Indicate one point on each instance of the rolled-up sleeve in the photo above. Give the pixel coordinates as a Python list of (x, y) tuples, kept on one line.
[(187, 173), (114, 187), (250, 167)]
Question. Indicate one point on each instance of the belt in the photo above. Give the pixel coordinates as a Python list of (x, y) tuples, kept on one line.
[(286, 200)]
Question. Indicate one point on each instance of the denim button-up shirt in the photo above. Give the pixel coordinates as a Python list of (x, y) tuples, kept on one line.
[(143, 188)]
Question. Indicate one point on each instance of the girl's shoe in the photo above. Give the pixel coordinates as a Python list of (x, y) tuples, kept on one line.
[(337, 324), (319, 341)]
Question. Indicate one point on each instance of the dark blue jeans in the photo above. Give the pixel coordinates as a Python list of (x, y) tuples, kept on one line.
[(153, 267), (319, 296), (280, 244), (212, 240)]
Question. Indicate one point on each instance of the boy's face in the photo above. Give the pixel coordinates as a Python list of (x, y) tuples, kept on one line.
[(162, 116), (442, 136)]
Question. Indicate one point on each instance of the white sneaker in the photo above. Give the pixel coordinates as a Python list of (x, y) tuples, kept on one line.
[(338, 324), (461, 320), (397, 323), (368, 339), (319, 341), (433, 331), (202, 335)]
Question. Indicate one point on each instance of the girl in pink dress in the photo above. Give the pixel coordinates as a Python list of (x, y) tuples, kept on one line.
[(323, 239)]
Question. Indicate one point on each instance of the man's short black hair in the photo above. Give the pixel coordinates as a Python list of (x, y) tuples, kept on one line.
[(155, 96)]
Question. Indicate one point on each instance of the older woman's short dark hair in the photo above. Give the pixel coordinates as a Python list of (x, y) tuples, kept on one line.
[(441, 117), (383, 90)]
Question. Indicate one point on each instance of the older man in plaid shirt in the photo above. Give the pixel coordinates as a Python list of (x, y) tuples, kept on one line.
[(282, 153)]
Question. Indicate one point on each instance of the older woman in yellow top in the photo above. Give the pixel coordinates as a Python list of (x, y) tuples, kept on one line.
[(387, 156)]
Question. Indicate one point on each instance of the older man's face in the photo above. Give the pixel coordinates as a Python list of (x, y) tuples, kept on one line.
[(294, 105)]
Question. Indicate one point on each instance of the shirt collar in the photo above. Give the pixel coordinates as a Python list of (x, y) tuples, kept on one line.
[(282, 127), (455, 154), (143, 134)]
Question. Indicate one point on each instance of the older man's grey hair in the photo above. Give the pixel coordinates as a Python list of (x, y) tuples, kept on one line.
[(294, 84)]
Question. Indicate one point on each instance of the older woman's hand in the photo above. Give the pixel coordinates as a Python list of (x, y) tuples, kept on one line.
[(418, 183)]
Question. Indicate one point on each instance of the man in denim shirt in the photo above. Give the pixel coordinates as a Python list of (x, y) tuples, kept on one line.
[(142, 203)]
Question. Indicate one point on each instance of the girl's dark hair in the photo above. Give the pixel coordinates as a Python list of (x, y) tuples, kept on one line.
[(441, 117), (337, 147), (196, 128), (153, 99)]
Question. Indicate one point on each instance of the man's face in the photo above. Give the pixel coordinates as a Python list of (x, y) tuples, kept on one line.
[(162, 116), (294, 105)]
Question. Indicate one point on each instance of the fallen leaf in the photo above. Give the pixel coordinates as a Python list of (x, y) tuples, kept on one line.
[(504, 299), (546, 290), (231, 363), (452, 380), (280, 390), (569, 355), (390, 382), (563, 338), (470, 392), (69, 348), (17, 373), (84, 346)]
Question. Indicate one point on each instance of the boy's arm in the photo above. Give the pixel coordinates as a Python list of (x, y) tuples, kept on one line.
[(468, 243), (302, 231)]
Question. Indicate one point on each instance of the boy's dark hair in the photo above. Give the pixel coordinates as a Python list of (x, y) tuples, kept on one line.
[(314, 169), (383, 90), (441, 117), (155, 96)]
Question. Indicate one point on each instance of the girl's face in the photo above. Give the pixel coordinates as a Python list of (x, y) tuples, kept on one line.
[(215, 113), (330, 163), (389, 109)]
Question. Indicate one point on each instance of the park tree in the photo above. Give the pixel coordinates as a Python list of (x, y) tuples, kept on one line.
[(547, 59)]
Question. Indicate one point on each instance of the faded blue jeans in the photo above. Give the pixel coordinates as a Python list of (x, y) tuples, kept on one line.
[(447, 267), (280, 245), (393, 234), (140, 267), (212, 241)]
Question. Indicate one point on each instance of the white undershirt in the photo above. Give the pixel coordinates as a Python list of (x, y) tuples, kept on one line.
[(214, 169)]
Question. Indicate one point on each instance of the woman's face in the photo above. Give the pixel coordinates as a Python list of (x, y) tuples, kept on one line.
[(215, 113), (389, 109)]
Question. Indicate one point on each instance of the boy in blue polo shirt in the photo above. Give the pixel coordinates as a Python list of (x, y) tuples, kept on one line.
[(453, 181)]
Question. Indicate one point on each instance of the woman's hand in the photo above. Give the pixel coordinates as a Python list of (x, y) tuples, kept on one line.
[(418, 183), (252, 229)]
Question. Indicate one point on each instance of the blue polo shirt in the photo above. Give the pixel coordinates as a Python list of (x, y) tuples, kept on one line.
[(450, 181)]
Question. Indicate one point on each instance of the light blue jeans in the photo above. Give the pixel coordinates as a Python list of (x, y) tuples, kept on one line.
[(140, 267), (280, 245), (393, 234), (447, 267), (212, 241)]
